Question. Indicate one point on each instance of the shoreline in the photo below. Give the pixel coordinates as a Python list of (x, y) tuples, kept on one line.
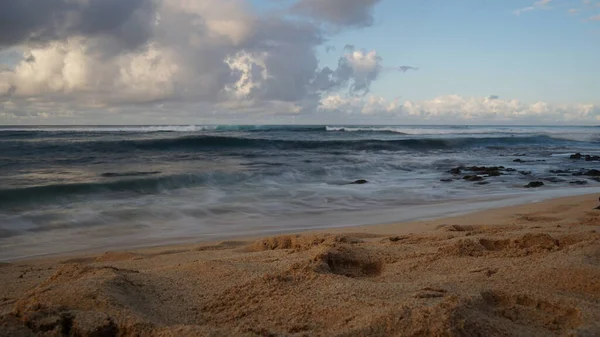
[(532, 269), (417, 213)]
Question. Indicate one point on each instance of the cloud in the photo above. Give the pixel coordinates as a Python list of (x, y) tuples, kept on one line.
[(356, 70), (102, 54), (541, 4), (127, 21), (594, 18), (357, 13), (454, 109), (406, 68)]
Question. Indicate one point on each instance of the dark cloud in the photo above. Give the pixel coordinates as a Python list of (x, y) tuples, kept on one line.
[(108, 53), (406, 68), (352, 13), (493, 97), (40, 21), (356, 70)]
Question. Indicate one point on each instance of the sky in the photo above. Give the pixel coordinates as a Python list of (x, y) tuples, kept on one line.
[(109, 62)]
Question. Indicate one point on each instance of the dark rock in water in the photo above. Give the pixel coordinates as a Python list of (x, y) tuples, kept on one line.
[(576, 156), (592, 173), (510, 170), (473, 178), (525, 173), (359, 182), (483, 183), (455, 170), (485, 168), (534, 184), (527, 161), (596, 179), (129, 174), (447, 180), (559, 171), (554, 180), (492, 171), (578, 182), (587, 157)]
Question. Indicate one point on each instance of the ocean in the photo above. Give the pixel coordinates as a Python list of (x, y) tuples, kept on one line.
[(82, 188)]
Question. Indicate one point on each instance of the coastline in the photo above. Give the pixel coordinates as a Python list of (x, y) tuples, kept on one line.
[(531, 269), (334, 222)]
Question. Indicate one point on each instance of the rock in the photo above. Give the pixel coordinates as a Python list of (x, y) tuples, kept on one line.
[(359, 182), (528, 161), (447, 180), (525, 173), (592, 173), (485, 168), (492, 171), (510, 170), (576, 156), (473, 178), (587, 157), (554, 180), (455, 170), (483, 183), (534, 184), (563, 172), (578, 182)]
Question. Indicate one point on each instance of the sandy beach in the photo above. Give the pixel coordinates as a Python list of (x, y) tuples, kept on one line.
[(530, 270)]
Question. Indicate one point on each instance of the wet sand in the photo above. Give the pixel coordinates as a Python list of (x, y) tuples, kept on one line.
[(531, 270)]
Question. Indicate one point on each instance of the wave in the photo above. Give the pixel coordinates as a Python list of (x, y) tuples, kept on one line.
[(147, 185), (582, 135), (363, 129), (141, 129), (162, 128), (220, 143), (129, 174)]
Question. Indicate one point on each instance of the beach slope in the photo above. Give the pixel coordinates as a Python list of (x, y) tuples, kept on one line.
[(531, 270)]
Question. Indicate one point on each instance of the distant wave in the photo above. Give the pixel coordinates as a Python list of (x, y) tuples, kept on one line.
[(363, 129), (476, 131), (164, 128), (213, 142), (582, 134), (220, 143)]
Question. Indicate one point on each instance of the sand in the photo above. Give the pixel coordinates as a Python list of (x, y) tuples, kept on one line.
[(531, 270)]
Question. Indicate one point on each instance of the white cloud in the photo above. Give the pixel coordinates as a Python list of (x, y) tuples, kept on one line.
[(452, 109), (221, 53), (166, 59), (541, 4)]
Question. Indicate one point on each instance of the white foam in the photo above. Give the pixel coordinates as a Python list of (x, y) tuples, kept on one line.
[(158, 128)]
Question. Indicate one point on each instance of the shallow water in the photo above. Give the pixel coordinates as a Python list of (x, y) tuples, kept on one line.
[(74, 188)]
